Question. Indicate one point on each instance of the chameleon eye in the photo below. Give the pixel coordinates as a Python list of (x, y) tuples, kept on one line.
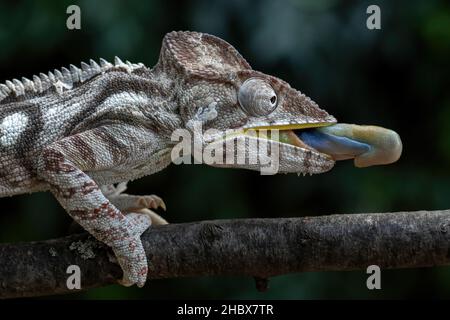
[(256, 97)]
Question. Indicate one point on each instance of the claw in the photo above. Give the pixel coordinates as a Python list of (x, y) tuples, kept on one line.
[(152, 202)]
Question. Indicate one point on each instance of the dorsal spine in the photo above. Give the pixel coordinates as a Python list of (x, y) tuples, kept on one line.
[(62, 79)]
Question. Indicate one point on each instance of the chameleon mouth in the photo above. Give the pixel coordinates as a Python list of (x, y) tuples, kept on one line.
[(291, 135)]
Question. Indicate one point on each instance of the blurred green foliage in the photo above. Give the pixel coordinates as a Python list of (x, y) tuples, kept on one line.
[(396, 77)]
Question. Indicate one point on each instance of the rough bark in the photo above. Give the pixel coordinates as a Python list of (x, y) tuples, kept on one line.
[(260, 248)]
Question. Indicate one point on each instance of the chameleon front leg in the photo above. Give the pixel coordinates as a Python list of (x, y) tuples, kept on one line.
[(64, 164)]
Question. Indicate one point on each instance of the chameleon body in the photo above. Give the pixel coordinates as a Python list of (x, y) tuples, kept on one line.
[(78, 131)]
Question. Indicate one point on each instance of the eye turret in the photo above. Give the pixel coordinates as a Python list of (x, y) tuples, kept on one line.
[(257, 98)]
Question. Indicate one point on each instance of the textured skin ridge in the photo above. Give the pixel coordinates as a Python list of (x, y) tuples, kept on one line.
[(60, 80)]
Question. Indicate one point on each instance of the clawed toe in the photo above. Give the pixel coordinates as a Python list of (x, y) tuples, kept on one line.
[(131, 203), (151, 202)]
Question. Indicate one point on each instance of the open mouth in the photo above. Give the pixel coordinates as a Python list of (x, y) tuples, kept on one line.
[(293, 135)]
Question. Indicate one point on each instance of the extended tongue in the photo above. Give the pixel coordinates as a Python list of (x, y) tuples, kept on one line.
[(368, 145)]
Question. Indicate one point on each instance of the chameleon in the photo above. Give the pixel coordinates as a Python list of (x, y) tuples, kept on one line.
[(83, 133)]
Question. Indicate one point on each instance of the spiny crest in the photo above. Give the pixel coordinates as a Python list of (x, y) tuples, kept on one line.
[(63, 79)]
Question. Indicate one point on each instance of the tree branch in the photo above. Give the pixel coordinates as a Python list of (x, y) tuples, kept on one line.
[(260, 248)]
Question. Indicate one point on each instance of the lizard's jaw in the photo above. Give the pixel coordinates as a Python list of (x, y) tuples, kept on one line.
[(280, 150), (314, 148)]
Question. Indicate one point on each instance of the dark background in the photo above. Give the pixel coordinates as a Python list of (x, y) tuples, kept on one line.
[(395, 77)]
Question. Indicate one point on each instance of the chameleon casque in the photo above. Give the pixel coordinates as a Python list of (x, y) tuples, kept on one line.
[(78, 131)]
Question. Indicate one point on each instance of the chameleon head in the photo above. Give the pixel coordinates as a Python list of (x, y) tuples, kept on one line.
[(245, 115)]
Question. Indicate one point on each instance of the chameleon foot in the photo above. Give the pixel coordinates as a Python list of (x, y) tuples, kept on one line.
[(144, 202), (130, 252), (131, 203)]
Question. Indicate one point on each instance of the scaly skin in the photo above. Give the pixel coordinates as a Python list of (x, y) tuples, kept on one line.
[(74, 132)]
